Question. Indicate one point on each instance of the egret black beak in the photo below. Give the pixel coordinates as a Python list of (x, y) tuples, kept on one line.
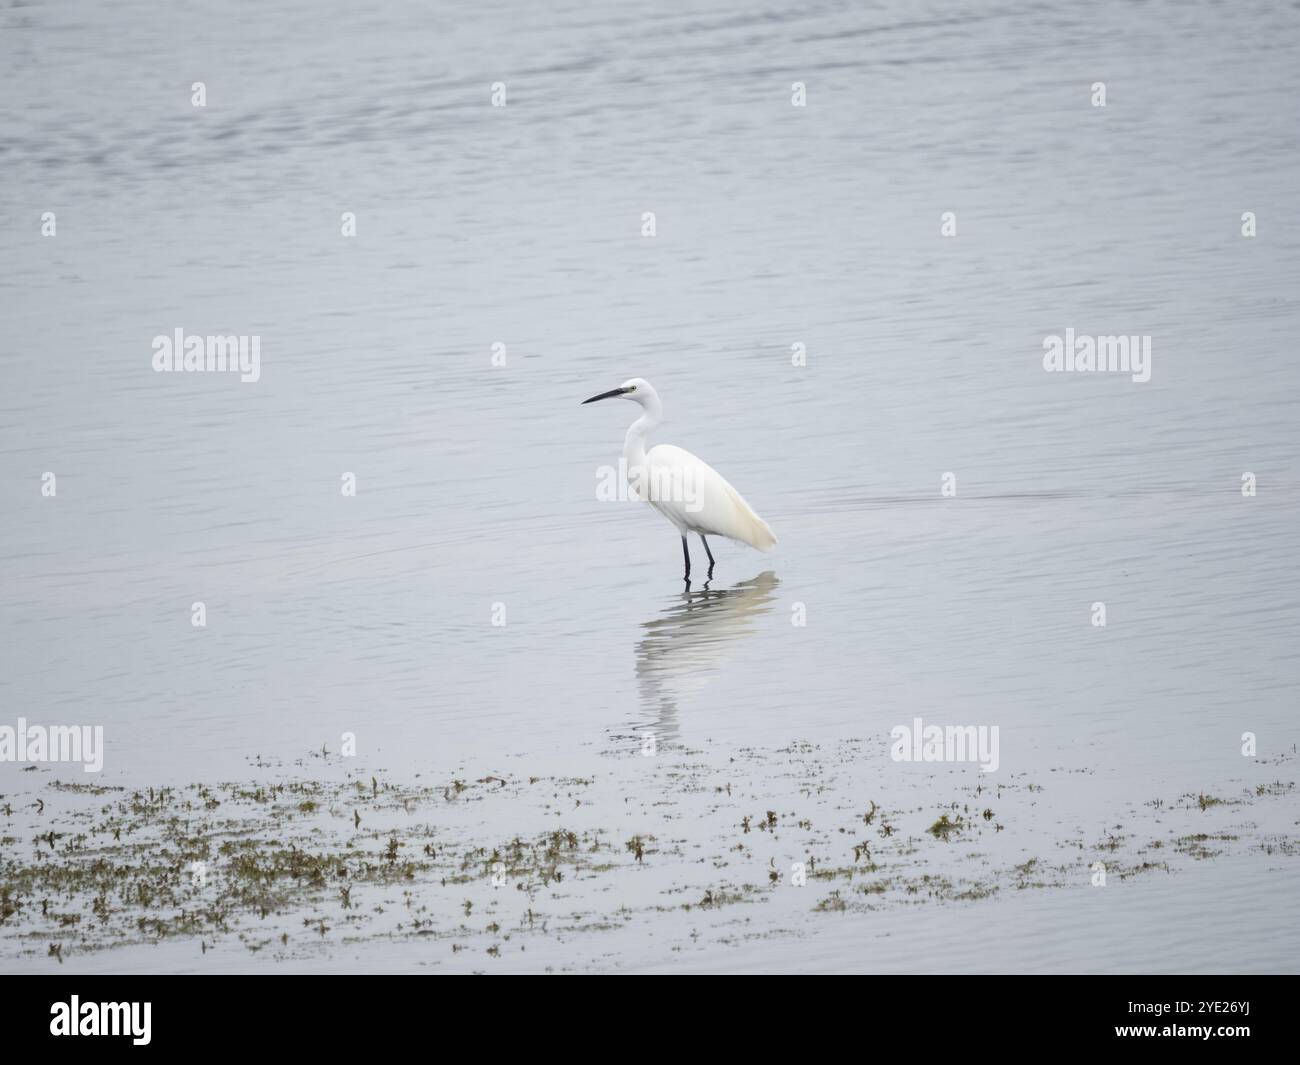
[(605, 395)]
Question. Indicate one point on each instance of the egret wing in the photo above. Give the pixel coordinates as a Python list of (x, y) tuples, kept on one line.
[(694, 496)]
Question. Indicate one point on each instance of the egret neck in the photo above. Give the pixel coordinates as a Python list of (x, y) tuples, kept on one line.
[(634, 442)]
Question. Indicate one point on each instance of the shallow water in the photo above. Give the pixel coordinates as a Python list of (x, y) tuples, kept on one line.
[(476, 484)]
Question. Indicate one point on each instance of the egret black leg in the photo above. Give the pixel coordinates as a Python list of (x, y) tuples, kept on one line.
[(686, 554), (707, 552)]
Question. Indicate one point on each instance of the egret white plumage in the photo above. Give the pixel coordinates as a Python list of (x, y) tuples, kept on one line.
[(684, 488)]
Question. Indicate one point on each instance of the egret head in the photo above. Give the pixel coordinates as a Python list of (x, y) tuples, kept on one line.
[(637, 389)]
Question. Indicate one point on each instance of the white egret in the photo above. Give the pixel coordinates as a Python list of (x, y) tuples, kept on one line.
[(685, 489)]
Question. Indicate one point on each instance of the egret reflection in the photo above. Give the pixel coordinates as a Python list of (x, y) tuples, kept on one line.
[(681, 648)]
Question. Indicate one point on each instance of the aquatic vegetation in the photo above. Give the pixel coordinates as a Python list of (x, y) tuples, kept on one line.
[(943, 827), (281, 868)]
